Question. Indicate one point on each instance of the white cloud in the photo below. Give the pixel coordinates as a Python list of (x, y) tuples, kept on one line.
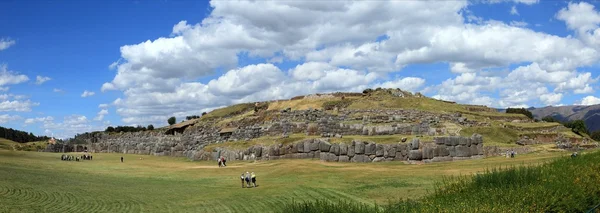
[(41, 79), (337, 47), (5, 43), (17, 105), (5, 118), (584, 19), (101, 115), (589, 100), (3, 89), (103, 106), (39, 120), (71, 125), (513, 10), (518, 23), (87, 93), (9, 77), (57, 90)]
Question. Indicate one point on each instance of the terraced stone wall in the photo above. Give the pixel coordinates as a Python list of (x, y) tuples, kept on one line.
[(442, 149)]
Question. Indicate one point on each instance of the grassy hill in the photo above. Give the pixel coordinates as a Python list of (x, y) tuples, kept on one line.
[(6, 144), (502, 130)]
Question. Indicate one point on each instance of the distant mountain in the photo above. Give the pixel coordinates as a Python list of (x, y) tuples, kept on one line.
[(589, 114)]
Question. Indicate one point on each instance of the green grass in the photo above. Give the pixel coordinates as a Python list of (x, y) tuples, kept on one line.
[(564, 185), (29, 146), (40, 182), (493, 135)]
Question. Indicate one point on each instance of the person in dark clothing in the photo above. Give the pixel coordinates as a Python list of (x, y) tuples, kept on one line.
[(242, 178), (121, 159), (223, 161)]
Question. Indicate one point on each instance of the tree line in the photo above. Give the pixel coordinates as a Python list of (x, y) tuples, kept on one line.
[(20, 136), (129, 128), (576, 126)]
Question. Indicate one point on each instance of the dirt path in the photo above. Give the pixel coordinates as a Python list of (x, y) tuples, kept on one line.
[(211, 167)]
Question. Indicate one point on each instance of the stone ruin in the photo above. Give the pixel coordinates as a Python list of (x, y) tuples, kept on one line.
[(442, 149)]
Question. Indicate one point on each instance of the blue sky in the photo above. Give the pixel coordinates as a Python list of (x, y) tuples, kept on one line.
[(145, 61)]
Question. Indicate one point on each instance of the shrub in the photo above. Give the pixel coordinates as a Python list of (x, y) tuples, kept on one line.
[(172, 120), (520, 111), (150, 127)]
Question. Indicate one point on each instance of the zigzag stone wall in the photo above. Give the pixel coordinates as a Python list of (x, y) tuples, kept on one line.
[(442, 149)]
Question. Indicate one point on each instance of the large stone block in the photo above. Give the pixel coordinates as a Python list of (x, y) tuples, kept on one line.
[(307, 146), (379, 150), (314, 146), (332, 157), (294, 148), (370, 149), (282, 150), (480, 150), (258, 151), (323, 156), (440, 151), (451, 151), (462, 141), (359, 148), (415, 155), (344, 158), (335, 149), (351, 149), (427, 153), (359, 158), (463, 151), (343, 149), (391, 151), (474, 150), (324, 146), (440, 140), (414, 144)]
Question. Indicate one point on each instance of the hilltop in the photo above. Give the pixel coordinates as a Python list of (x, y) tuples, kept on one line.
[(589, 114), (382, 116)]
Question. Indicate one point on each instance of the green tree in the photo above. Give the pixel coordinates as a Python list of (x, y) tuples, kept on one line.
[(110, 129), (172, 120), (150, 127), (595, 135), (550, 119), (577, 126), (520, 111)]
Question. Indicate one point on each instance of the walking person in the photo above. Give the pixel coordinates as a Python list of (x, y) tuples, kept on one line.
[(247, 179), (219, 160), (223, 161), (242, 178), (253, 176), (121, 159)]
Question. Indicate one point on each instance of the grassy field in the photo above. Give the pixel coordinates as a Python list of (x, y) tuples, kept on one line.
[(40, 182), (563, 185)]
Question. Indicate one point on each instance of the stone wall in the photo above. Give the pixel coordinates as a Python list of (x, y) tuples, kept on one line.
[(442, 149)]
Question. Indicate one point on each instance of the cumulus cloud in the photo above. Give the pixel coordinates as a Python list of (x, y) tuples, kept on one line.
[(57, 90), (103, 106), (5, 43), (87, 93), (39, 120), (101, 114), (5, 118), (70, 126), (10, 77), (348, 46), (17, 105), (589, 100), (41, 79)]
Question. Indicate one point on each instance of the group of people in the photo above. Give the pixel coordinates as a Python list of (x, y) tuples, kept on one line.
[(75, 158), (510, 154), (222, 161), (250, 179)]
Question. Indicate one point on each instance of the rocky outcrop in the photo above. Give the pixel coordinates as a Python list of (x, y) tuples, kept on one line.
[(443, 149)]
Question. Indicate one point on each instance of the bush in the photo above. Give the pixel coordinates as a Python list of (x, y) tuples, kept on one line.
[(172, 120), (150, 127), (520, 111), (577, 126), (550, 119)]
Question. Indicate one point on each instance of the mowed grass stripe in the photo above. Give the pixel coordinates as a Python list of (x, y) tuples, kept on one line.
[(40, 182)]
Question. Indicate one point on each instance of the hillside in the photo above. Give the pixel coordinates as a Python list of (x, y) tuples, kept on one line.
[(6, 144), (382, 116), (589, 114)]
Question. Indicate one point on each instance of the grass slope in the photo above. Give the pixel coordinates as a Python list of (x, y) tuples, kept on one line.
[(565, 185), (29, 146), (40, 182)]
